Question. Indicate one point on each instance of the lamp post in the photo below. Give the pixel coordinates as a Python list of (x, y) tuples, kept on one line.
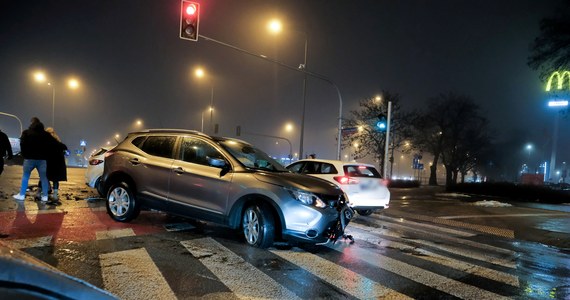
[(275, 26), (561, 104), (200, 73), (71, 83)]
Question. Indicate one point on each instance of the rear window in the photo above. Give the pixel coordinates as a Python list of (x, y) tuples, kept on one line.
[(361, 171)]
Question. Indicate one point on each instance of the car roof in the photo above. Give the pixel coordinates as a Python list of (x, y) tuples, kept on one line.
[(336, 162), (187, 131)]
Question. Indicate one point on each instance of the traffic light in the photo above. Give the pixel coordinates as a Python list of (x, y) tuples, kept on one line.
[(381, 124), (189, 20)]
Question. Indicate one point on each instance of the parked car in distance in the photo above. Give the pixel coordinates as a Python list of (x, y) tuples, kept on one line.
[(366, 190), (95, 170), (221, 180)]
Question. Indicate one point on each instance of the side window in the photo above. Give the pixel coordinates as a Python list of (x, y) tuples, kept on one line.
[(296, 168), (311, 168), (198, 152), (328, 169), (159, 145), (138, 141)]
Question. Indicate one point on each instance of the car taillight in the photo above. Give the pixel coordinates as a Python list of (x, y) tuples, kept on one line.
[(384, 182), (345, 180), (95, 162)]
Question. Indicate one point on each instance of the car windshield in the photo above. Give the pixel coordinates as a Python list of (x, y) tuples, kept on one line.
[(251, 157)]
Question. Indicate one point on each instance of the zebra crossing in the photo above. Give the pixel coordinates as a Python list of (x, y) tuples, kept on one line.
[(391, 258)]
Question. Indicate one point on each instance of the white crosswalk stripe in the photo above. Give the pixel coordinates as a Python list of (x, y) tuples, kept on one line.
[(483, 252), (440, 259), (242, 278), (347, 280), (132, 274)]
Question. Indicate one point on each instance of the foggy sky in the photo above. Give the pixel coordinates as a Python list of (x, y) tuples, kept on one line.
[(132, 65)]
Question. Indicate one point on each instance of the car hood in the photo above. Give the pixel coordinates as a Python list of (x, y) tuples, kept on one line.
[(304, 182)]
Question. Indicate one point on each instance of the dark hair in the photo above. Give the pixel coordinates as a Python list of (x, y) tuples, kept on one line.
[(36, 124)]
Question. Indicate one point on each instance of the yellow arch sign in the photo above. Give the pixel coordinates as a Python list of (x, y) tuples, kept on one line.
[(559, 76)]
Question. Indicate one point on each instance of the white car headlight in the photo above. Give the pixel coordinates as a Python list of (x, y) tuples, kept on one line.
[(306, 198)]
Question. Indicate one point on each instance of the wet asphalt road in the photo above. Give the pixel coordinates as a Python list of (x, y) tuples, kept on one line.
[(428, 244)]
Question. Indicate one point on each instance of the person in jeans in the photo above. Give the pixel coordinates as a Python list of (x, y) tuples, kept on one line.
[(35, 145), (5, 149)]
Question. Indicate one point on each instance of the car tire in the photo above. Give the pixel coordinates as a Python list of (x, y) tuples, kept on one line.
[(365, 212), (258, 226), (99, 187), (121, 203)]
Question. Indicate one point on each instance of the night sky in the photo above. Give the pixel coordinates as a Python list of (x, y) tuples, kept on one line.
[(132, 65)]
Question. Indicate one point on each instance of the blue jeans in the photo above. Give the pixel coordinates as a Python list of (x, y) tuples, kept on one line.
[(29, 166)]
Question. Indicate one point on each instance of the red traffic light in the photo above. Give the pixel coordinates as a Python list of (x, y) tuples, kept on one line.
[(189, 20), (191, 9)]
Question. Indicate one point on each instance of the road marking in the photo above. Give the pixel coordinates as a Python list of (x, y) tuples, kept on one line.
[(405, 222), (480, 228), (349, 281), (439, 259), (242, 278), (485, 256), (132, 274), (114, 234), (418, 275), (506, 215), (41, 241)]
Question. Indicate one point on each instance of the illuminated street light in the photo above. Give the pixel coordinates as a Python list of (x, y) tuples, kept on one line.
[(200, 73), (289, 127), (72, 83), (275, 26)]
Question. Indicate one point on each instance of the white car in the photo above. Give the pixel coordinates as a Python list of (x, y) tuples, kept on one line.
[(95, 170), (362, 183)]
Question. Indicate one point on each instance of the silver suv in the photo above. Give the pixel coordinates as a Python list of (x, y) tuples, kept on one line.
[(221, 180)]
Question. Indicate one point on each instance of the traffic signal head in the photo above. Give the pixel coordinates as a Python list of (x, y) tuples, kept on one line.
[(189, 20), (381, 124)]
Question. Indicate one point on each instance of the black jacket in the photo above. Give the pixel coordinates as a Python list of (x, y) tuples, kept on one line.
[(5, 147), (36, 143)]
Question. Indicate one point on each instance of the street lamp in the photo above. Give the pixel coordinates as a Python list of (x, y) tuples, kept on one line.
[(200, 73), (71, 83), (275, 26)]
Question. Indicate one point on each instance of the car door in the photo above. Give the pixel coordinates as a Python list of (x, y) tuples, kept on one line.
[(197, 178), (153, 168)]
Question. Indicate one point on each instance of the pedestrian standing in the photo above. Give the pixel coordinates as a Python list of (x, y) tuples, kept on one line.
[(56, 168), (5, 150), (35, 144)]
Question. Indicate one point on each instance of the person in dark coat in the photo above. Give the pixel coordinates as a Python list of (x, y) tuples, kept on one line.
[(35, 144), (5, 150), (56, 168)]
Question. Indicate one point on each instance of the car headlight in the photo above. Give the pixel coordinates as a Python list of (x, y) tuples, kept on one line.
[(306, 198)]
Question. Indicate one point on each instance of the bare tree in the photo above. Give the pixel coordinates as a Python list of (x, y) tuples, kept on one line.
[(550, 51), (368, 140), (451, 129)]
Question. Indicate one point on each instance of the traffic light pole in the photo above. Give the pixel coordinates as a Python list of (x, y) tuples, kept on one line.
[(304, 71), (387, 146)]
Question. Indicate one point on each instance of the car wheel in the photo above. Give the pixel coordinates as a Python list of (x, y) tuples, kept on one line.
[(365, 212), (122, 206), (258, 226), (99, 187)]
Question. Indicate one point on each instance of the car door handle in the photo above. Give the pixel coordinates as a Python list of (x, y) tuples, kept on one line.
[(134, 161), (178, 170)]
